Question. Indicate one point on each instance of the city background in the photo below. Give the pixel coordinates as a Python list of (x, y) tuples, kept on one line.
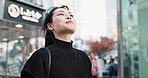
[(111, 28)]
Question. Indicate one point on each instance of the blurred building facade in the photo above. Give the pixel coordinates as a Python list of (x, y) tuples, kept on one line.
[(20, 24), (111, 15), (133, 39)]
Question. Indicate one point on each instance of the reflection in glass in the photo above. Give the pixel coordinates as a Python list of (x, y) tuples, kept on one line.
[(3, 50), (15, 60), (130, 39)]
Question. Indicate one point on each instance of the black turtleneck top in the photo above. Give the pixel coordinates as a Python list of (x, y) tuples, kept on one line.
[(66, 62)]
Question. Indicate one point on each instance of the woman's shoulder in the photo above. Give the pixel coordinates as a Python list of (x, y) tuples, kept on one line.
[(34, 64), (40, 52), (84, 56), (82, 53)]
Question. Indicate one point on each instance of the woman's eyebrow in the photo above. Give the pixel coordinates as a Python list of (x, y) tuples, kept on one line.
[(61, 11), (64, 12)]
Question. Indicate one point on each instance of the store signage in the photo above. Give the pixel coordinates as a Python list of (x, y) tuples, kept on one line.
[(20, 12), (30, 15)]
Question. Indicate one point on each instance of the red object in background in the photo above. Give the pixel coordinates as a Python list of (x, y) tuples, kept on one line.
[(103, 46), (19, 48)]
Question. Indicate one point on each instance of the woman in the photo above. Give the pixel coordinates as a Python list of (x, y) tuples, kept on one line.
[(66, 62), (94, 68)]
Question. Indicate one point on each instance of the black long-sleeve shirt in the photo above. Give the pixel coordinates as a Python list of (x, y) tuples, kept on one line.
[(66, 62)]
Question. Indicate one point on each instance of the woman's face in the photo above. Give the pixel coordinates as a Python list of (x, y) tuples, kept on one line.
[(92, 55), (62, 22)]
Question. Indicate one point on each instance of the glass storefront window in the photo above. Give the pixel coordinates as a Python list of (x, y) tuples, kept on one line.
[(34, 44), (15, 57), (134, 38), (18, 39), (17, 45), (143, 38), (4, 31), (3, 51), (130, 40)]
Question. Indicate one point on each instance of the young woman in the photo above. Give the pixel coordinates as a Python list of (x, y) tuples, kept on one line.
[(66, 62), (94, 68)]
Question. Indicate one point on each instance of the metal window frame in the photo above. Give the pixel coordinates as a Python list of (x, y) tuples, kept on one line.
[(120, 45)]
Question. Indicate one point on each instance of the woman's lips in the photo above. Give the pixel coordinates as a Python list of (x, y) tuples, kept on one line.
[(69, 22)]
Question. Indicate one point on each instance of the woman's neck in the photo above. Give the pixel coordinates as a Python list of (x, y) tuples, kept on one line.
[(66, 38), (92, 59)]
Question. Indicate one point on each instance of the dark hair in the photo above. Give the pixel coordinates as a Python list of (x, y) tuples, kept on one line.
[(49, 38), (111, 60), (92, 53)]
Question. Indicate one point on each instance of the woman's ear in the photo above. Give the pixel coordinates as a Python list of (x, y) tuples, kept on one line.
[(49, 26)]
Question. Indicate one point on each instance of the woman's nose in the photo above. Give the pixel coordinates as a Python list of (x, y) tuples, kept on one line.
[(68, 17)]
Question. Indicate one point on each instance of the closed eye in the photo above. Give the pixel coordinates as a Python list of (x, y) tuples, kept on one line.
[(61, 14)]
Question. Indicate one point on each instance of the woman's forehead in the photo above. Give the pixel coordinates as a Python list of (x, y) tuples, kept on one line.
[(62, 10)]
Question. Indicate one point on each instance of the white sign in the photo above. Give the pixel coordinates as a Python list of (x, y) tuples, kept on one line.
[(30, 15)]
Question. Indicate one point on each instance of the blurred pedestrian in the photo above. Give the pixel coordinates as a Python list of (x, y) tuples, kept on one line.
[(94, 67), (100, 63), (112, 69), (66, 62)]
